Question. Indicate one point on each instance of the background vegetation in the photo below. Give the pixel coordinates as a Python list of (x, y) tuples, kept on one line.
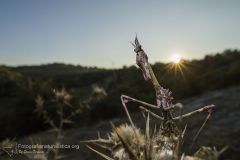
[(19, 86)]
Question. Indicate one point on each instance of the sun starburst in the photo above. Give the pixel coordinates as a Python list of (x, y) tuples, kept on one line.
[(176, 58)]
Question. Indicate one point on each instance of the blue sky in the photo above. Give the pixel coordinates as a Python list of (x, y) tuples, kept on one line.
[(97, 32)]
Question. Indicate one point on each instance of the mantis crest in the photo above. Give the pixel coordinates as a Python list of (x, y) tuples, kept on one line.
[(127, 142)]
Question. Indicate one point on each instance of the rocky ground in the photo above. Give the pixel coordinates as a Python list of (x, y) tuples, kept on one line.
[(222, 129)]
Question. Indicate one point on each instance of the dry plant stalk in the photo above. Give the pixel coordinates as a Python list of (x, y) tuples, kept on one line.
[(127, 142)]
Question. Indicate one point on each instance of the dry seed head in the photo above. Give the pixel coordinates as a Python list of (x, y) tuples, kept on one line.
[(98, 92), (127, 133), (62, 95)]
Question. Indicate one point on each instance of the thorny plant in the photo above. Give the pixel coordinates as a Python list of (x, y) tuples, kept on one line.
[(62, 98), (5, 147), (10, 151), (127, 142), (62, 103)]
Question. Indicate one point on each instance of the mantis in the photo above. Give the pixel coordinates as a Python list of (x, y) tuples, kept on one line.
[(127, 142)]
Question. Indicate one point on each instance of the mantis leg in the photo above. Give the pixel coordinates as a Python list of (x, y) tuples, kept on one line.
[(126, 99), (151, 113), (208, 107), (201, 128)]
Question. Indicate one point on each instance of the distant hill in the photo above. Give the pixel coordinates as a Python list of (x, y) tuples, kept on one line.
[(48, 70)]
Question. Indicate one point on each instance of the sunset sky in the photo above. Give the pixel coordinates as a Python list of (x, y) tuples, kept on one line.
[(98, 32)]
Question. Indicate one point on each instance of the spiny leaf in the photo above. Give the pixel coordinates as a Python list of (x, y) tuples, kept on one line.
[(99, 153), (147, 136), (147, 128), (103, 146), (106, 141), (126, 146)]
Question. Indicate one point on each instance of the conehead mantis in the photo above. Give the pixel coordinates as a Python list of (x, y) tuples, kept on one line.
[(129, 143)]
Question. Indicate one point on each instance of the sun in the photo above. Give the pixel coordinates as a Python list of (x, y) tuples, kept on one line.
[(176, 58), (177, 65)]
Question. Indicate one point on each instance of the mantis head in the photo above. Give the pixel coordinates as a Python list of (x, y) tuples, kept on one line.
[(141, 59)]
